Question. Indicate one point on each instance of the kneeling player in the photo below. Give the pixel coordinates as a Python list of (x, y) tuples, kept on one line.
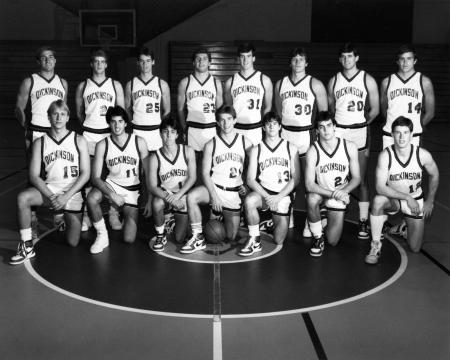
[(122, 153), (64, 157), (273, 173), (172, 173), (399, 187), (332, 172), (222, 167)]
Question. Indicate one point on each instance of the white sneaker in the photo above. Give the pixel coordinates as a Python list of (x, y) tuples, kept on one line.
[(101, 242), (306, 230), (291, 220), (86, 224), (374, 253), (114, 220)]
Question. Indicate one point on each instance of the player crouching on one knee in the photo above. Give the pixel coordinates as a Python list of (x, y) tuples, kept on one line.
[(398, 177), (222, 167), (122, 153), (273, 173), (64, 157), (332, 172), (172, 173)]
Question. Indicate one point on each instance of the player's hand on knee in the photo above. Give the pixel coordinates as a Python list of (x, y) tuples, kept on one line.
[(59, 201), (147, 209), (413, 205), (428, 209), (244, 190), (216, 204), (341, 195)]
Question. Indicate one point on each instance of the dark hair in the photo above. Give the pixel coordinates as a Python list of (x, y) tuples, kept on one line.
[(42, 49), (298, 51), (225, 109), (245, 48), (116, 111), (57, 104), (170, 121), (98, 52), (405, 48), (348, 48), (402, 121), (200, 51), (143, 50), (323, 116), (271, 115)]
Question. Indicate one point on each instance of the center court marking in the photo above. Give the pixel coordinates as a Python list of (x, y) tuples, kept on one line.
[(391, 280)]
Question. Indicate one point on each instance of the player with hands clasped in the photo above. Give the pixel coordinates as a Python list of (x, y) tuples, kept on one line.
[(332, 172), (273, 173)]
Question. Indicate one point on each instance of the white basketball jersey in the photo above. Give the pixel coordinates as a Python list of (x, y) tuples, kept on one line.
[(42, 93), (228, 161), (146, 100), (123, 162), (172, 174), (274, 165), (97, 99), (297, 102), (248, 98), (332, 170), (350, 97), (60, 160), (405, 177), (201, 101), (405, 98)]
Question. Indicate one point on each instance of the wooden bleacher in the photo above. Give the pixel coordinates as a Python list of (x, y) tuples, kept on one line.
[(272, 59)]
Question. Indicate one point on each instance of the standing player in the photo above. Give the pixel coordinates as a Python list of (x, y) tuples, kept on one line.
[(297, 98), (332, 172), (222, 167), (147, 100), (410, 94), (63, 156), (122, 153), (172, 173), (399, 187), (199, 95), (93, 98), (406, 93), (273, 174), (250, 92), (41, 89), (353, 98)]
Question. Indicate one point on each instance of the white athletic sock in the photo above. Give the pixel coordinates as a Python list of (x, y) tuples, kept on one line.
[(160, 229), (196, 228), (25, 234), (100, 226), (316, 229), (363, 210), (253, 230), (376, 226)]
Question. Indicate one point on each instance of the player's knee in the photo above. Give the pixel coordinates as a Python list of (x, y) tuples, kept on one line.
[(23, 200), (157, 204), (312, 200), (192, 198), (250, 201), (378, 204), (129, 238), (333, 241), (73, 241), (415, 246)]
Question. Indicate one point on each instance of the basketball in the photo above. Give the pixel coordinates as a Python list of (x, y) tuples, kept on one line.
[(214, 232)]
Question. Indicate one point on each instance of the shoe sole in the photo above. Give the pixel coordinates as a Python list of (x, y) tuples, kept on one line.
[(193, 250), (371, 262), (22, 261), (98, 252), (249, 254), (157, 250), (365, 237), (315, 255)]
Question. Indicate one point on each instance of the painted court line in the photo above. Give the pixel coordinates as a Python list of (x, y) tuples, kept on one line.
[(445, 207), (13, 188), (217, 321), (391, 280)]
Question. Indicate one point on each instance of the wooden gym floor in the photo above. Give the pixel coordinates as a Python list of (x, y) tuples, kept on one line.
[(132, 303)]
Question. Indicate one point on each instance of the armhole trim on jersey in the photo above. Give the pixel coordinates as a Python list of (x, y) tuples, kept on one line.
[(42, 150), (184, 153), (262, 84), (311, 88), (390, 158), (115, 91), (60, 80), (258, 170), (212, 153), (31, 89), (159, 166), (243, 142), (334, 83), (387, 86), (231, 85), (418, 157), (318, 154), (131, 91), (137, 144), (84, 89), (288, 147), (186, 89), (345, 149), (215, 83), (76, 144), (106, 149), (280, 85)]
